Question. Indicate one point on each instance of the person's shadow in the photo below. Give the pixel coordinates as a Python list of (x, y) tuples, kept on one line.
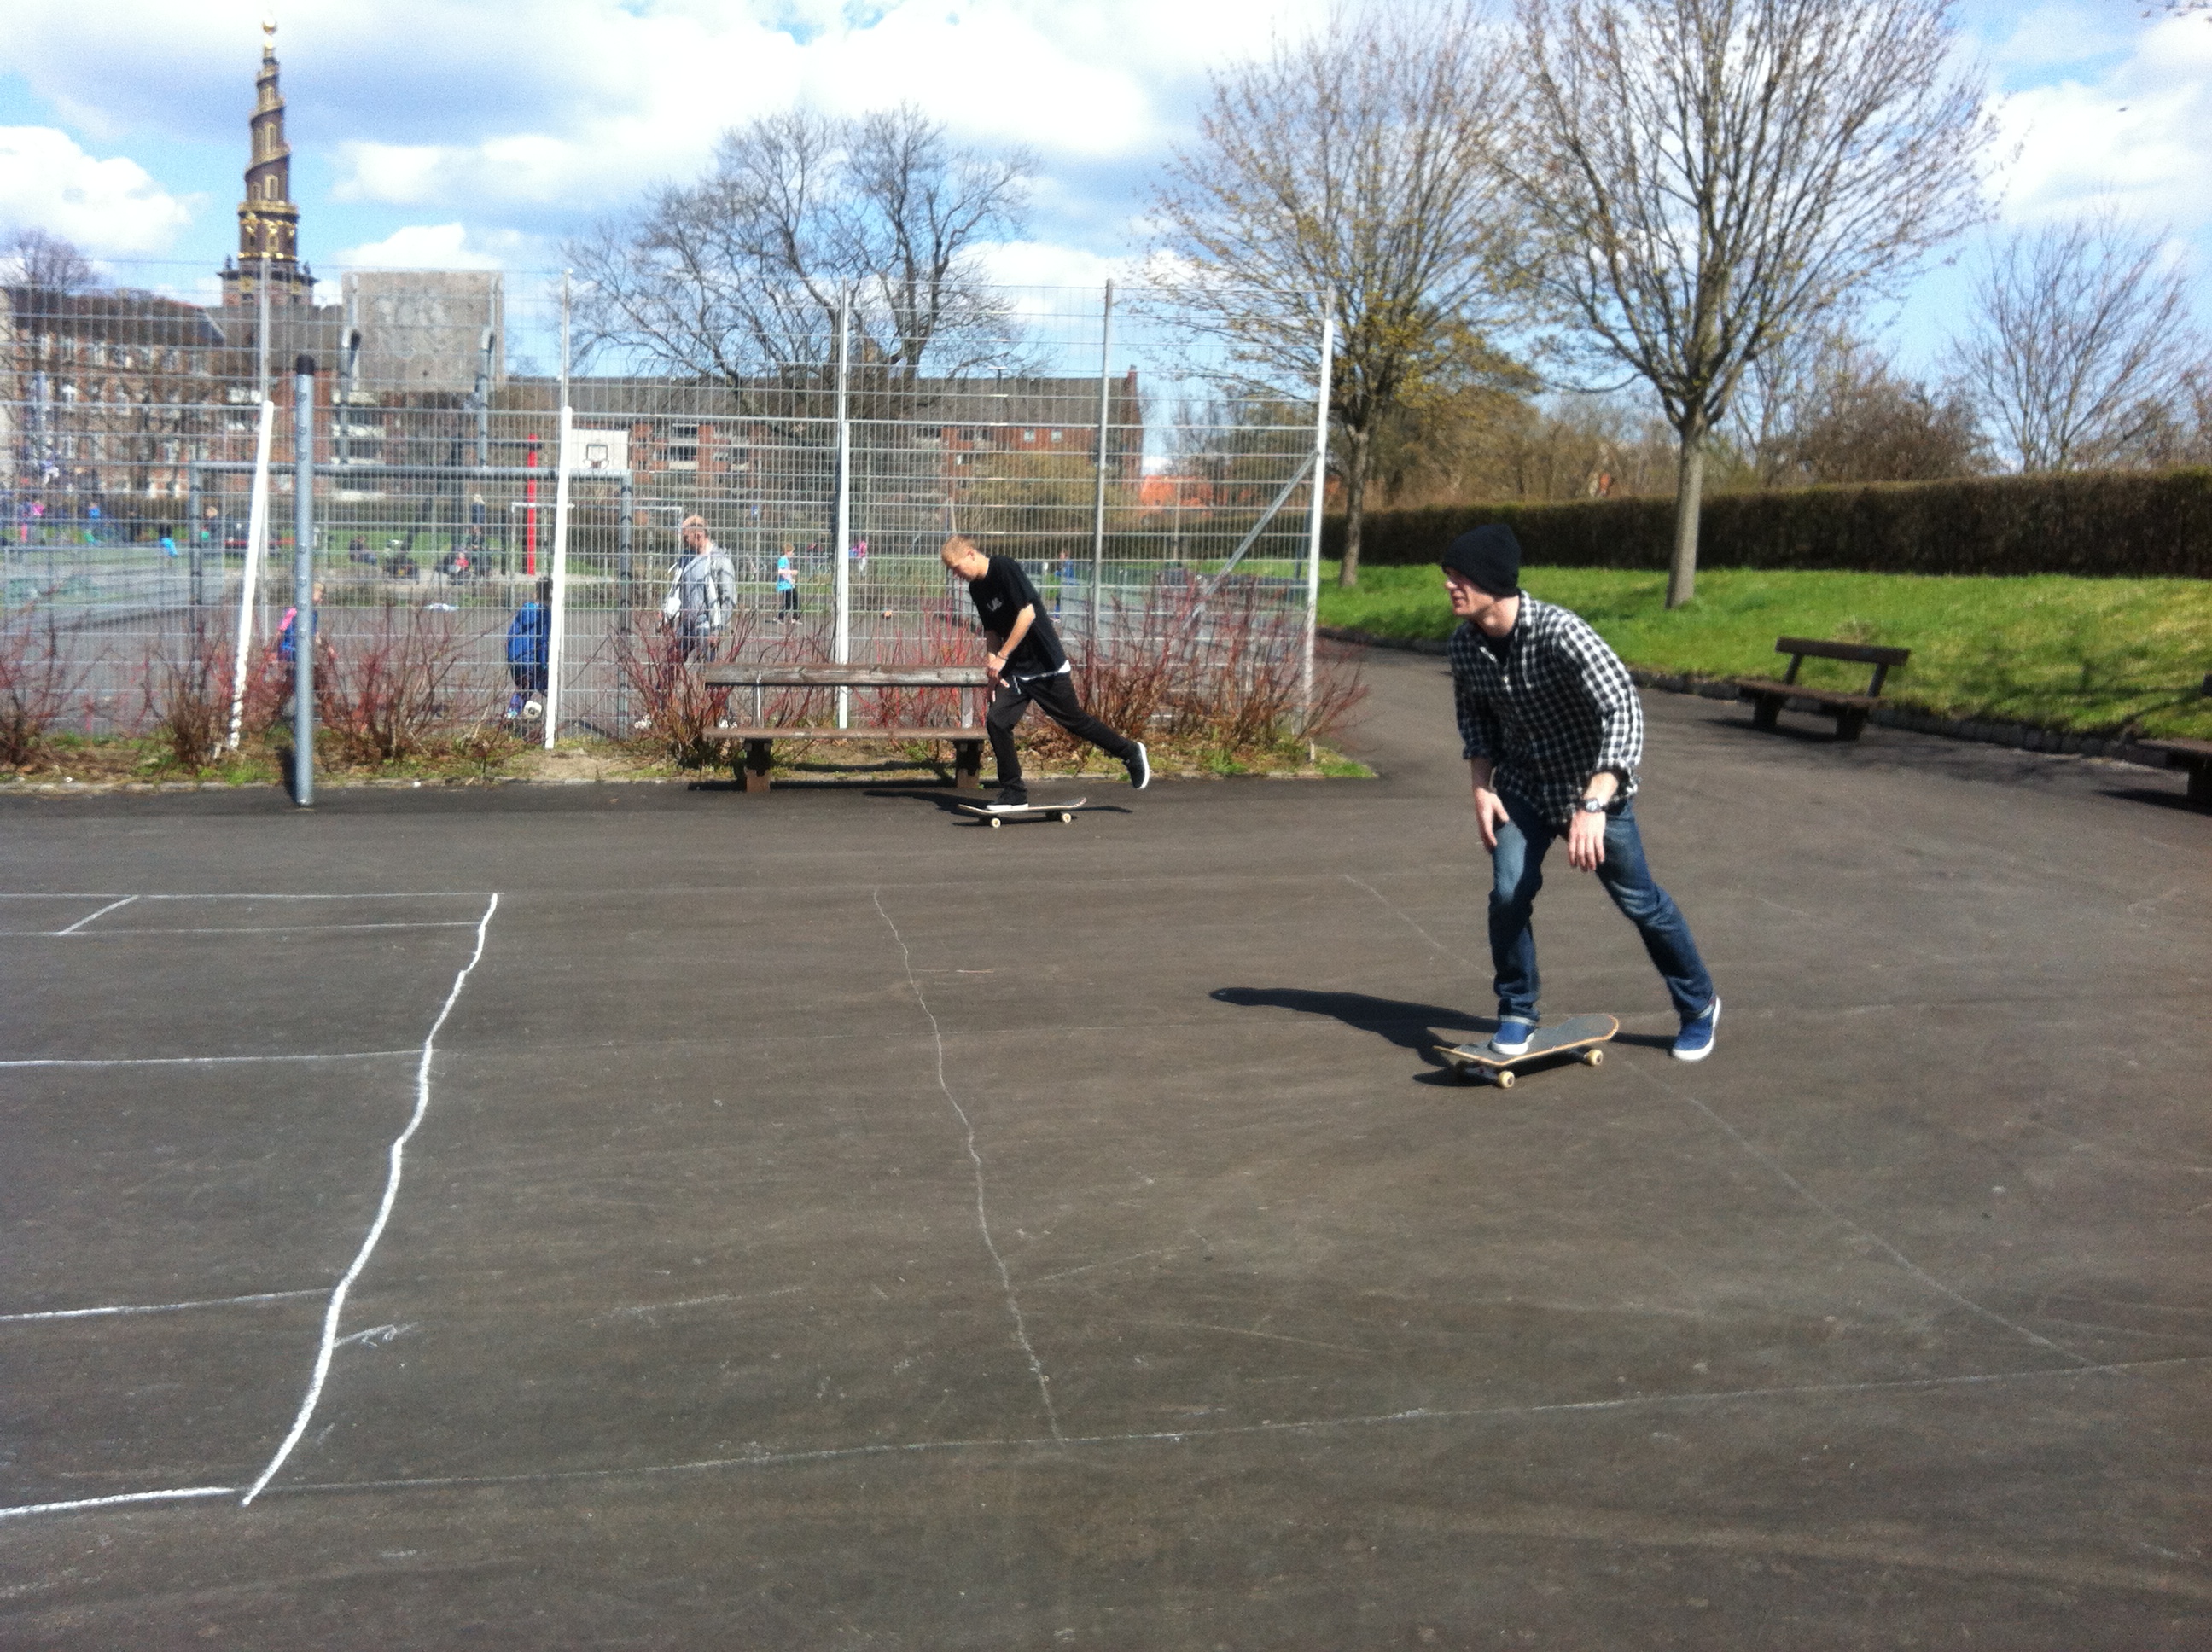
[(1416, 1027)]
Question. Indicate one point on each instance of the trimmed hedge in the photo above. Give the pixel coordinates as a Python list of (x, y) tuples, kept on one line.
[(2143, 525)]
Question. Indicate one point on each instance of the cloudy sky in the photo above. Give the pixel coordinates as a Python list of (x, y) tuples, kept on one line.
[(457, 133)]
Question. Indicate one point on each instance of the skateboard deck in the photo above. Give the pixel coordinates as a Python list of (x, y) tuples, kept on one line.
[(997, 814), (1583, 1033)]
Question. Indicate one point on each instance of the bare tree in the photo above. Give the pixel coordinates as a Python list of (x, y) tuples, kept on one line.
[(1710, 175), (1349, 174), (1828, 406), (2080, 344), (739, 276), (45, 261)]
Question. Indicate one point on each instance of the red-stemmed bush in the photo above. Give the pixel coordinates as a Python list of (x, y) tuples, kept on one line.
[(38, 683)]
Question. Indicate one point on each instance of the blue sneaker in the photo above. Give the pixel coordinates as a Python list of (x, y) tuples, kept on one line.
[(1695, 1041), (1512, 1036)]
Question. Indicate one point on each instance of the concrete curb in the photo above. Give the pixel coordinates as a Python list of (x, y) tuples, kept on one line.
[(2023, 737)]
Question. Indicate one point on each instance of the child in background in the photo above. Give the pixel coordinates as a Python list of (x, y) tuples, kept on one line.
[(529, 640)]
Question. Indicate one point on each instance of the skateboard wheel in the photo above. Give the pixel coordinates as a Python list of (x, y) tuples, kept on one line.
[(996, 825), (1067, 819), (1593, 1058), (1504, 1079)]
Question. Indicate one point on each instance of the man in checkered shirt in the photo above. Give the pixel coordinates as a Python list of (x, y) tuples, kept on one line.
[(1554, 732)]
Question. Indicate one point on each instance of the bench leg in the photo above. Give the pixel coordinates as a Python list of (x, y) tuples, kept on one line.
[(2200, 784), (757, 753), (1765, 711), (966, 765), (1849, 725)]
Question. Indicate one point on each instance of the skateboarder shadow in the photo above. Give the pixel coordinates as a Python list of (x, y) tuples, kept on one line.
[(1413, 1027)]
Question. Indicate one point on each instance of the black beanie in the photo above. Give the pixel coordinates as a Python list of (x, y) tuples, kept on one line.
[(1488, 558)]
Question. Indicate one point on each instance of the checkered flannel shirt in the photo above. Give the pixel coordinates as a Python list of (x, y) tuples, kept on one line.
[(1559, 708)]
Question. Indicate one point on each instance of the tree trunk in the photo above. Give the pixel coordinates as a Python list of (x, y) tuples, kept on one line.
[(1355, 504), (1689, 496)]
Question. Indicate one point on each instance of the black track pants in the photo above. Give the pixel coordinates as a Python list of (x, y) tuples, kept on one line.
[(1055, 697)]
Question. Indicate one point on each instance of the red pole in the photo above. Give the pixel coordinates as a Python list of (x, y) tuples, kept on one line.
[(529, 515)]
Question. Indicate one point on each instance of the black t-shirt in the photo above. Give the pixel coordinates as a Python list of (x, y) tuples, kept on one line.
[(1001, 594)]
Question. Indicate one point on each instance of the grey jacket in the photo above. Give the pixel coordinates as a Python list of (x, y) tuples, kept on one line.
[(704, 588)]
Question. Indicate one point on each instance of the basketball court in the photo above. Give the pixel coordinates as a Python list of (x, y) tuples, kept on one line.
[(647, 1216)]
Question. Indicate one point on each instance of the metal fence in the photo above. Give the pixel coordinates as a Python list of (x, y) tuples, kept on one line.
[(1143, 484)]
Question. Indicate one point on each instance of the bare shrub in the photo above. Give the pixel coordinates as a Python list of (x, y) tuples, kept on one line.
[(389, 691), (37, 684), (188, 698), (487, 741), (1217, 667), (941, 643), (268, 688), (678, 711)]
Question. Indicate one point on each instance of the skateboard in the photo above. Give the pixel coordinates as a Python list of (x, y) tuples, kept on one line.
[(1585, 1033), (997, 814)]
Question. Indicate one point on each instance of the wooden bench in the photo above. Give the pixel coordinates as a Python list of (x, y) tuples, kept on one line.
[(1849, 710), (2196, 756), (759, 740)]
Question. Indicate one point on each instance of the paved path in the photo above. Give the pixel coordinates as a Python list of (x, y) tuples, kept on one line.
[(818, 1221)]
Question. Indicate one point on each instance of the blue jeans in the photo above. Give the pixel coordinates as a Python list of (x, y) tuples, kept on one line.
[(1517, 872)]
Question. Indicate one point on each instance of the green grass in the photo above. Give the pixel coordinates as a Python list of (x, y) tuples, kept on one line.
[(2085, 656)]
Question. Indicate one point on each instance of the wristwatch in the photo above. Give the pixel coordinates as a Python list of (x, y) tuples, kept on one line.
[(1592, 806)]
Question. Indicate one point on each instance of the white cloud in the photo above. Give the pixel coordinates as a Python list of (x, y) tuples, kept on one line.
[(2129, 137), (449, 104), (439, 246), (1043, 264), (108, 207)]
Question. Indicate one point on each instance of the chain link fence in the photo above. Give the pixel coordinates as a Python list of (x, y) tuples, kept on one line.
[(1161, 504)]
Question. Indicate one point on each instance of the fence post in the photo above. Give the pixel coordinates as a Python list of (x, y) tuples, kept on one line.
[(557, 631), (1098, 505), (1313, 521), (840, 645), (256, 541), (625, 600), (192, 531), (303, 581)]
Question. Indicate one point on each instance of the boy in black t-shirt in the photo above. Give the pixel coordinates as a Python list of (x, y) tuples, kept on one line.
[(1026, 662)]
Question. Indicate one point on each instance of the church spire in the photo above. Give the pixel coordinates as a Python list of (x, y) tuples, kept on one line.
[(268, 222)]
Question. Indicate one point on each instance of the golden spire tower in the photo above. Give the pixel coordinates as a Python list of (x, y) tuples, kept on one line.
[(268, 222)]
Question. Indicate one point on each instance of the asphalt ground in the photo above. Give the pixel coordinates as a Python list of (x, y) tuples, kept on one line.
[(820, 1221)]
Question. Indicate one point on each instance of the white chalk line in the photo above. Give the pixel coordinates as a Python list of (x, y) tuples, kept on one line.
[(1179, 1437), (1775, 1167), (262, 929), (159, 1307), (141, 895), (194, 1061), (398, 1155), (111, 907), (982, 1215), (1157, 1436), (376, 895), (76, 1504)]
